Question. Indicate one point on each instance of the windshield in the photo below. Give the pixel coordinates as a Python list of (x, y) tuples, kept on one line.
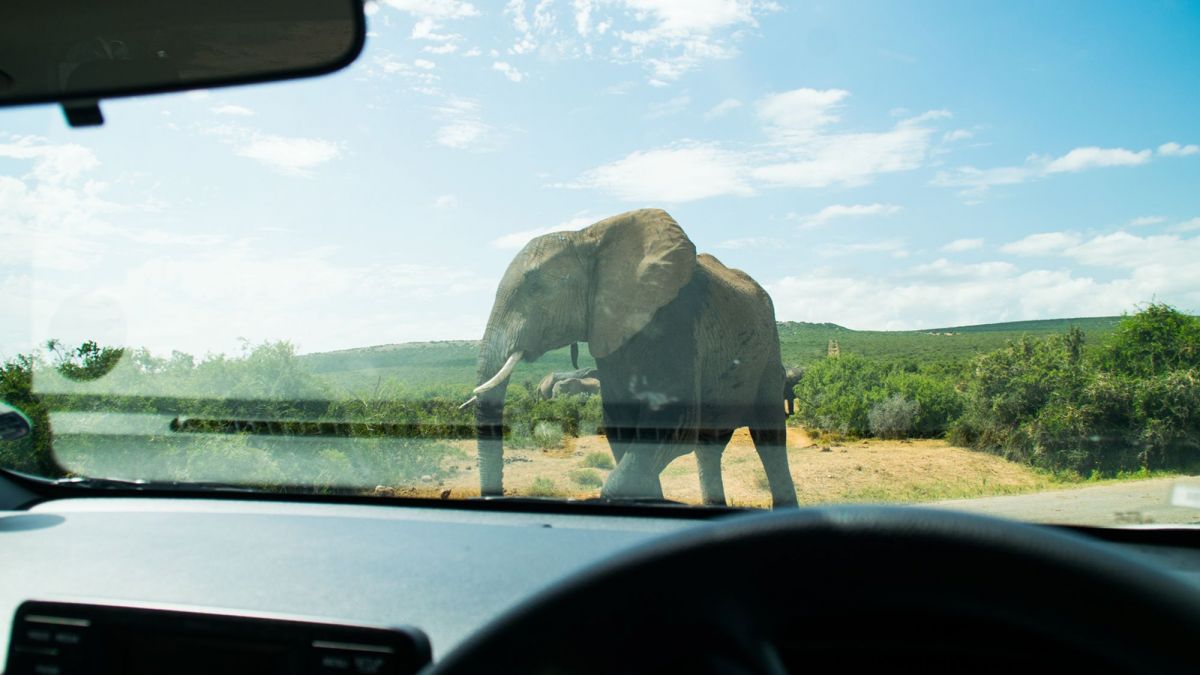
[(727, 252)]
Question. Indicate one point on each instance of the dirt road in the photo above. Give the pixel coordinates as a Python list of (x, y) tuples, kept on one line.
[(859, 471), (926, 472), (1124, 503)]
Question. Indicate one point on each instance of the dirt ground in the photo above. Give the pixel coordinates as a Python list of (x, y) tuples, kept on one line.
[(858, 471)]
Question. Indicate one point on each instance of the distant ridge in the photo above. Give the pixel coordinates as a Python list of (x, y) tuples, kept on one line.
[(1085, 323)]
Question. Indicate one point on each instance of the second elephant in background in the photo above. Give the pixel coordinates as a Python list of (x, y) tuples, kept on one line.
[(549, 386), (792, 377), (571, 386)]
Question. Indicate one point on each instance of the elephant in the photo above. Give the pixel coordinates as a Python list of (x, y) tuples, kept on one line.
[(686, 351), (573, 385), (791, 378), (545, 388)]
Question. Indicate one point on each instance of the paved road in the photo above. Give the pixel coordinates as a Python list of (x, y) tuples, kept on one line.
[(1124, 503)]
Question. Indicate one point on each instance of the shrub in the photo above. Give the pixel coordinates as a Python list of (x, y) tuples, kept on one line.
[(894, 417), (1134, 407), (1157, 340), (598, 460), (543, 487), (547, 435), (586, 478)]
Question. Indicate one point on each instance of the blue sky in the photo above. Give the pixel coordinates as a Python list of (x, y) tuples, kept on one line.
[(877, 165)]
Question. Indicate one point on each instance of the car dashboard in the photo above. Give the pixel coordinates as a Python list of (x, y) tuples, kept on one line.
[(446, 572)]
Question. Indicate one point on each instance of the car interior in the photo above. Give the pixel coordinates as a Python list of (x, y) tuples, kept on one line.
[(107, 570)]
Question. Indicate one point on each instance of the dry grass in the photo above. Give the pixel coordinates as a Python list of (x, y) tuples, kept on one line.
[(848, 471)]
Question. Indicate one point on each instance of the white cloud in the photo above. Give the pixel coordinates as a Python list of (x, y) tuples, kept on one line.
[(682, 173), (723, 108), (426, 29), (1143, 221), (669, 107), (977, 181), (748, 242), (668, 38), (1093, 157), (1174, 149), (509, 71), (473, 51), (961, 245), (1044, 243), (802, 153), (448, 48), (424, 64), (516, 240), (957, 135), (798, 114), (462, 134), (1187, 226), (230, 109), (463, 127), (442, 9), (848, 159), (948, 293), (422, 81), (893, 246), (53, 163), (835, 211), (289, 155), (947, 268)]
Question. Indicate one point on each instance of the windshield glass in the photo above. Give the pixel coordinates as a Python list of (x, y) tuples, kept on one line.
[(726, 252)]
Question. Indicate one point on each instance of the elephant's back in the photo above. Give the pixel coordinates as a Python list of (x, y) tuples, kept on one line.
[(738, 340)]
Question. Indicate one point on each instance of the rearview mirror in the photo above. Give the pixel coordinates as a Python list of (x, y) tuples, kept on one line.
[(77, 52)]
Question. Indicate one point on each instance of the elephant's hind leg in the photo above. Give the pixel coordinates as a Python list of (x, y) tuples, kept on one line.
[(771, 443), (709, 448)]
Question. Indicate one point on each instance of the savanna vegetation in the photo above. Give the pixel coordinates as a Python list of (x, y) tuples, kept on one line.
[(1083, 396), (1120, 401)]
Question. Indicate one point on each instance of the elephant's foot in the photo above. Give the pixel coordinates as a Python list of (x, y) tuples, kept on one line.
[(635, 477)]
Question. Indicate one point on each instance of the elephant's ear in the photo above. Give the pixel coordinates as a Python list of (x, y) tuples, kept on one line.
[(643, 259)]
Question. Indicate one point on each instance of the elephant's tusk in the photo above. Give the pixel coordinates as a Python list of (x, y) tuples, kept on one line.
[(468, 402), (501, 376)]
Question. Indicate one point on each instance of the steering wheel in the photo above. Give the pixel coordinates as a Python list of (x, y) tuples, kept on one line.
[(851, 588)]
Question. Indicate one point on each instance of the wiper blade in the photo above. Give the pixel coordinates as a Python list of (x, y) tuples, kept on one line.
[(134, 484), (589, 500), (263, 427)]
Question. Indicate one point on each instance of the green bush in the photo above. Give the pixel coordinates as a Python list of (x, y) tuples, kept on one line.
[(547, 435), (838, 395), (586, 478), (544, 487), (598, 459), (1135, 406), (894, 417)]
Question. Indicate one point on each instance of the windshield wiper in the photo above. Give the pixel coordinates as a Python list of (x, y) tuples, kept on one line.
[(630, 501), (133, 484), (336, 429)]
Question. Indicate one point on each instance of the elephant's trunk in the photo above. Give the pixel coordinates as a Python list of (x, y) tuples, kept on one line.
[(496, 363)]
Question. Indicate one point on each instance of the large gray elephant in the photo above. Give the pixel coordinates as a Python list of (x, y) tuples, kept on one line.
[(686, 348), (791, 377), (545, 388)]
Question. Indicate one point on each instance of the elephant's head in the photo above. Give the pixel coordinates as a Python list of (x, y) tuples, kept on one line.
[(601, 285)]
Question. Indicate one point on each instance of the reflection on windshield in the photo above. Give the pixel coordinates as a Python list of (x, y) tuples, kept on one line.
[(740, 253)]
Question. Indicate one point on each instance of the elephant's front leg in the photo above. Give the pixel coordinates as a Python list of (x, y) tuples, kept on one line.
[(655, 437)]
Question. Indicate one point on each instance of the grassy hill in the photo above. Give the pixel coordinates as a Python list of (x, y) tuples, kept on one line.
[(806, 342), (449, 366)]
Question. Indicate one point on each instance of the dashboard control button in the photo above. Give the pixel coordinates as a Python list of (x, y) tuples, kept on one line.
[(334, 662)]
